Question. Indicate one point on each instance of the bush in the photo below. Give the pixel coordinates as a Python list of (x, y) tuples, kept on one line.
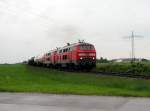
[(134, 67), (139, 68)]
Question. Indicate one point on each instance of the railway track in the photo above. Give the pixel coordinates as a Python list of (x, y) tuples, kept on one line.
[(130, 75), (120, 74)]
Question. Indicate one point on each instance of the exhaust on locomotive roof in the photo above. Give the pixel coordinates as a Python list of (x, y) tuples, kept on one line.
[(68, 44)]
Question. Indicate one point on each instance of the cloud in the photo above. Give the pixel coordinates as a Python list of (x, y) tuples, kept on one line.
[(31, 27)]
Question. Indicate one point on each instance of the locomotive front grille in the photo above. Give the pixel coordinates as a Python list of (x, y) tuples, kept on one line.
[(86, 62)]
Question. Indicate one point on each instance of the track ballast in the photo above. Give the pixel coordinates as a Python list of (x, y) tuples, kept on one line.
[(130, 75)]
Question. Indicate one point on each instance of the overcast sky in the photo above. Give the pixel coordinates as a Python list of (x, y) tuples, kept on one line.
[(32, 27)]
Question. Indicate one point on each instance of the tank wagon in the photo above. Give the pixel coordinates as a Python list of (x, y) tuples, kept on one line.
[(78, 55)]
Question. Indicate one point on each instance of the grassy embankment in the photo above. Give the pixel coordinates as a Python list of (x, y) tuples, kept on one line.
[(24, 78)]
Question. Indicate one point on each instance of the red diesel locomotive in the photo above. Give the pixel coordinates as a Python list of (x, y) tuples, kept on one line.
[(77, 55)]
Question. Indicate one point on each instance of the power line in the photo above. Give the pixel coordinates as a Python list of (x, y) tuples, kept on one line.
[(132, 37)]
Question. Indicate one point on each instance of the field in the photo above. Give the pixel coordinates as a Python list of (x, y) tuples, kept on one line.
[(24, 78)]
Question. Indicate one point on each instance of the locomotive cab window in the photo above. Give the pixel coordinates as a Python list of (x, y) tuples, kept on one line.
[(64, 50), (73, 48), (86, 47)]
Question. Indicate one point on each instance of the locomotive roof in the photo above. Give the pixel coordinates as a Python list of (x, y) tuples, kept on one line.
[(74, 44), (68, 46)]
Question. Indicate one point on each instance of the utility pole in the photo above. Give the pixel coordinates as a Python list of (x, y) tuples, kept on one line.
[(133, 44)]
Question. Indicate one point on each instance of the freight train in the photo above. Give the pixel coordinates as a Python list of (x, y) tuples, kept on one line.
[(80, 55)]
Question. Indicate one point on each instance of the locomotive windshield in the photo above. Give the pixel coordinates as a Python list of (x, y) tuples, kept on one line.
[(86, 47)]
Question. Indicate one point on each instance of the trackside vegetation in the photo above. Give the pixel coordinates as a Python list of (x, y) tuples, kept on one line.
[(25, 78), (141, 68)]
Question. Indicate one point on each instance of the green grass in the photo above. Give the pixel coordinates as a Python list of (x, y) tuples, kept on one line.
[(24, 78)]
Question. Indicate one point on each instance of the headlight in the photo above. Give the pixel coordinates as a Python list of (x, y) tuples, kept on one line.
[(81, 58), (93, 58)]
